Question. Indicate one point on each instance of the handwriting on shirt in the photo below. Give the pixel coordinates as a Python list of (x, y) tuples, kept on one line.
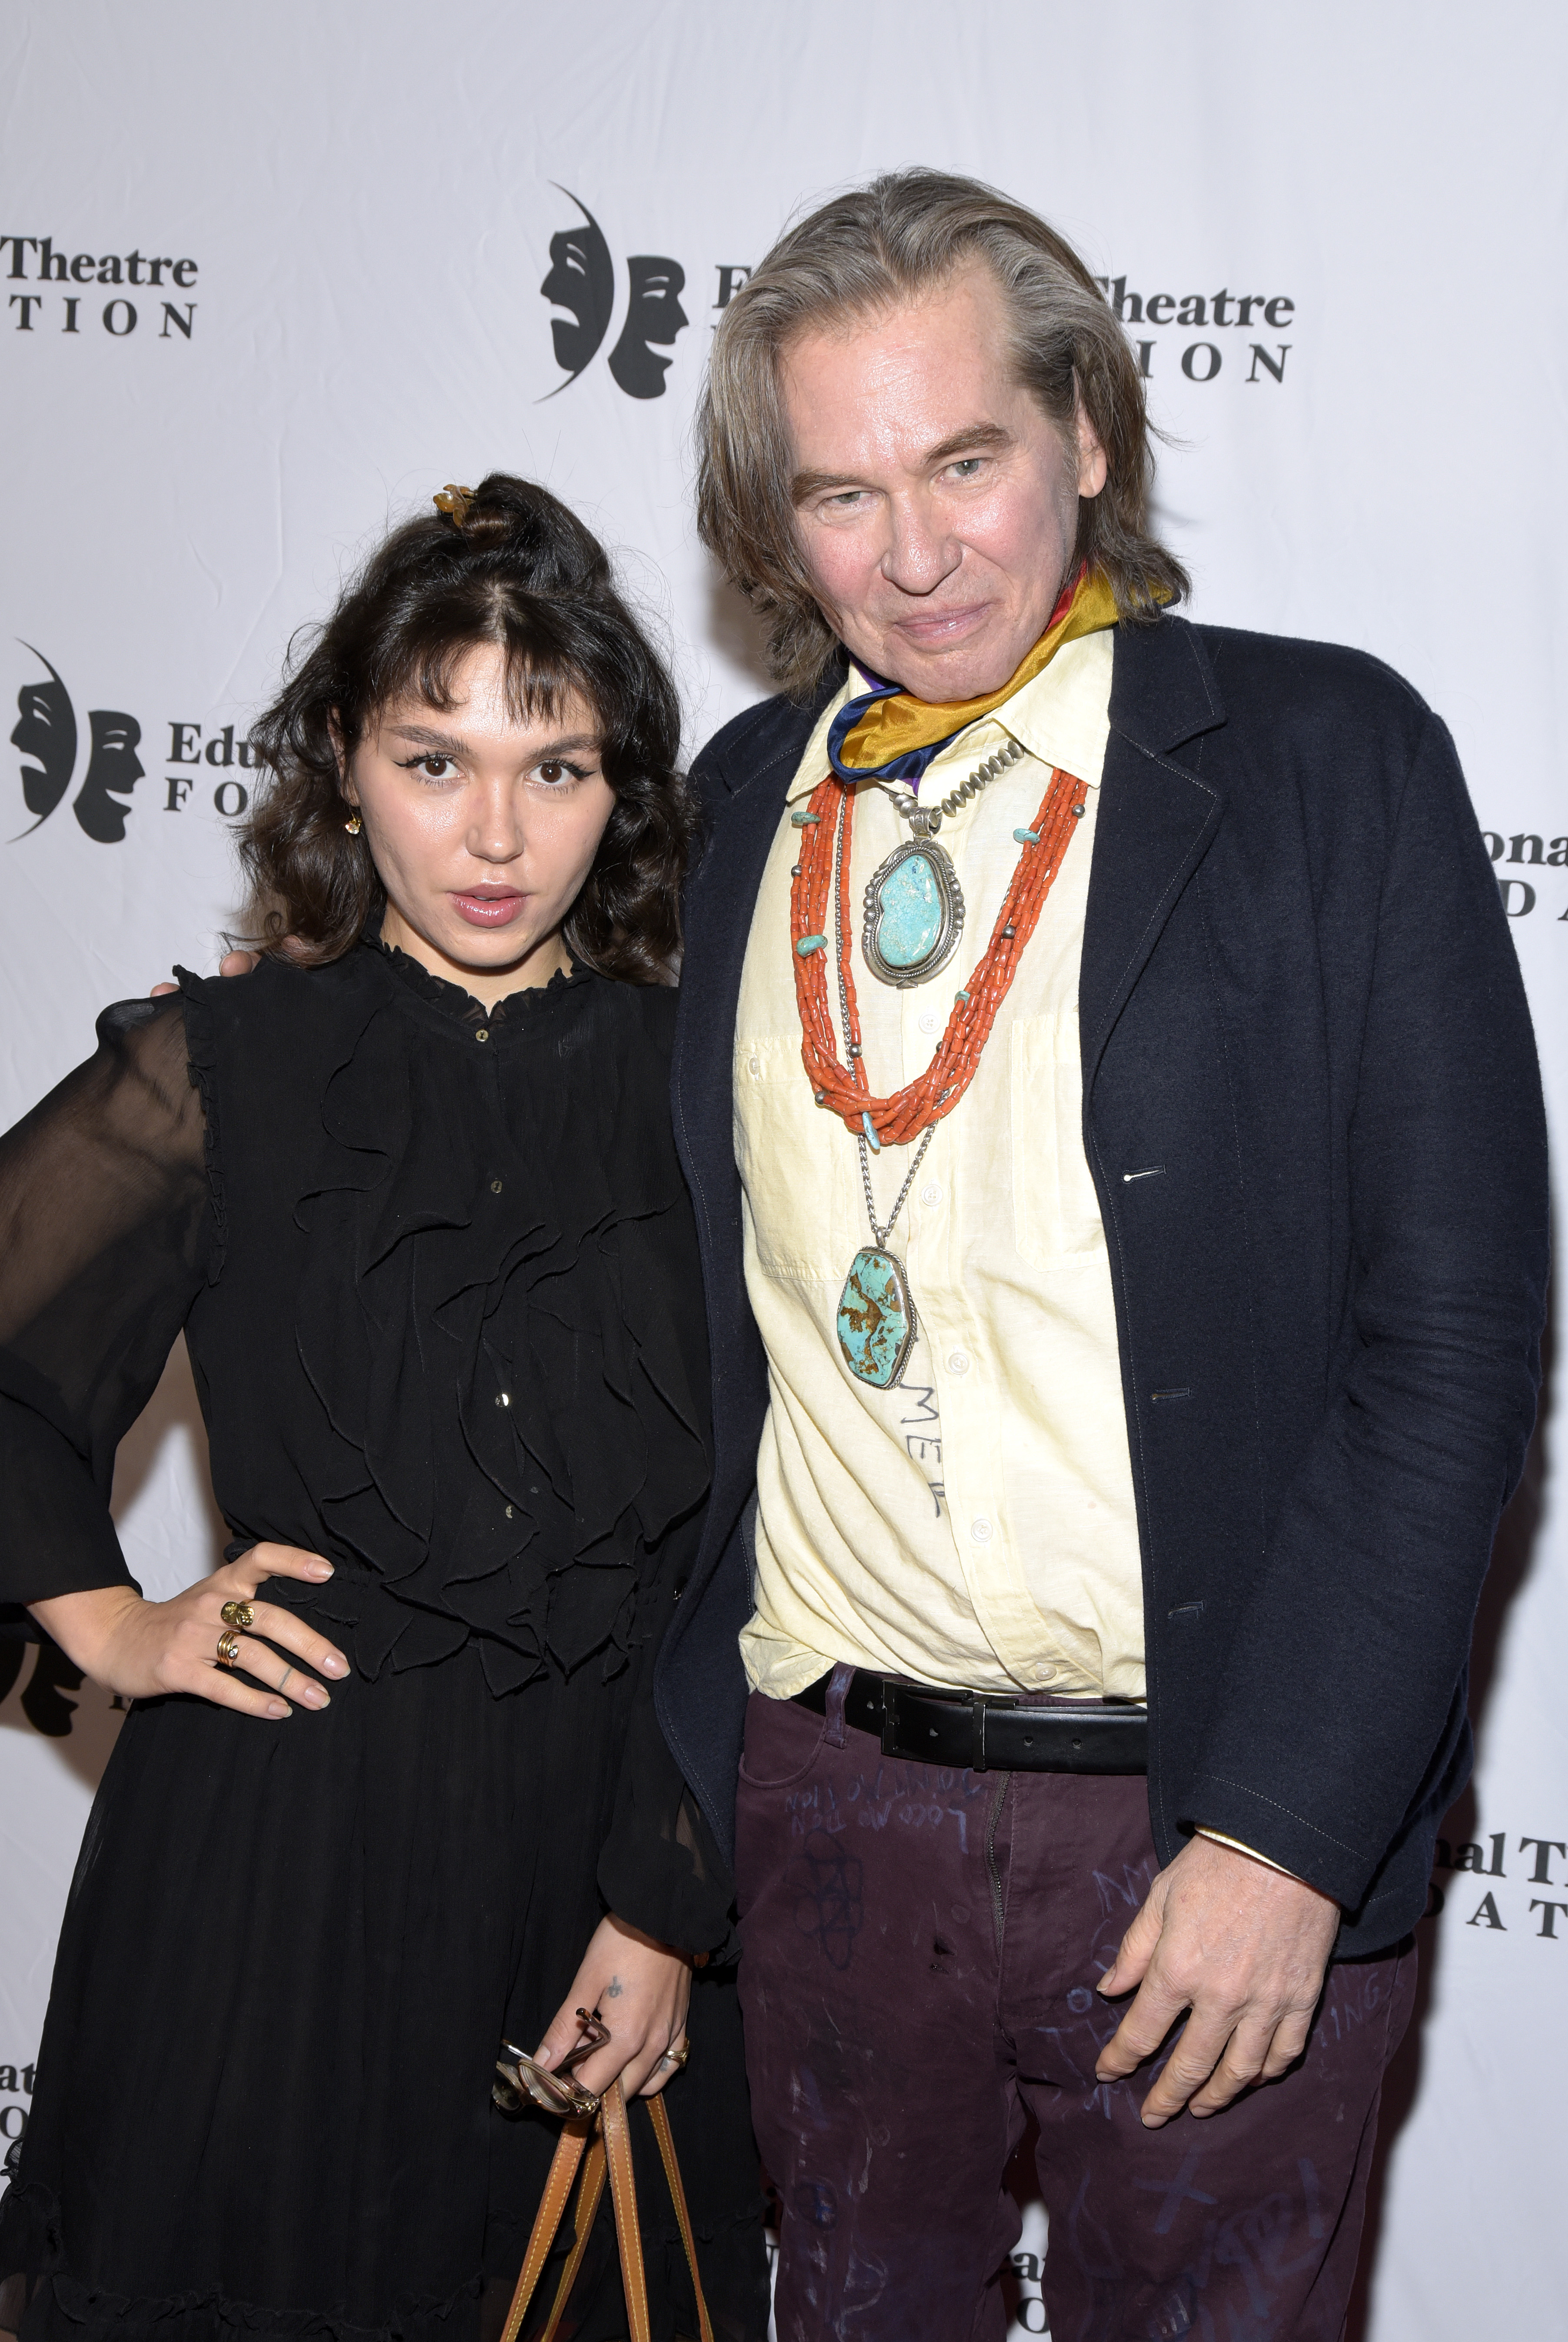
[(925, 1444)]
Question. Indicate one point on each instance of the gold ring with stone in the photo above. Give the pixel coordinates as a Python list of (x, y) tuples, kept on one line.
[(228, 1648), (677, 2057), (238, 1614)]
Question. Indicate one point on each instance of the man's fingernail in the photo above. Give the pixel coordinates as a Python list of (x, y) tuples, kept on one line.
[(278, 1708), (318, 1569), (1200, 2114), (543, 2056)]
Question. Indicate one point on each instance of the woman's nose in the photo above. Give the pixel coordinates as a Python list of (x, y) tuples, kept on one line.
[(496, 832)]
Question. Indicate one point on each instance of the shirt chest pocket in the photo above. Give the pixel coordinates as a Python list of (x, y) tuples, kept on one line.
[(1055, 1211), (799, 1165)]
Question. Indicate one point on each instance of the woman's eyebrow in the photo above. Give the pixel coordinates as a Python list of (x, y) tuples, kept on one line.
[(421, 734), (451, 743)]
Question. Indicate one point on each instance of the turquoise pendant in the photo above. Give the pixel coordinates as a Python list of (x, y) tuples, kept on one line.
[(875, 1317), (913, 914)]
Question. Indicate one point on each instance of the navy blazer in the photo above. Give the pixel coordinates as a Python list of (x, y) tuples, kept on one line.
[(1302, 1017)]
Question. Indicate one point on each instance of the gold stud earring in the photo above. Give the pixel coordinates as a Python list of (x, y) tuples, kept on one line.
[(351, 824)]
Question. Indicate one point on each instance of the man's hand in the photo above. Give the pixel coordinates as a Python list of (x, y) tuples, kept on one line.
[(236, 963), (641, 1989), (1243, 1948)]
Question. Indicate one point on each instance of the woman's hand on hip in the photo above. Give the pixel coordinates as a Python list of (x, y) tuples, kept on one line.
[(141, 1648), (642, 1990)]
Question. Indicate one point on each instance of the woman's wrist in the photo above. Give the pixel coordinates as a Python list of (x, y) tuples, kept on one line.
[(84, 1624), (640, 1936)]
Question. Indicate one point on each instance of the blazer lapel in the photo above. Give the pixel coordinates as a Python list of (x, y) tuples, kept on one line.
[(720, 903), (1155, 818)]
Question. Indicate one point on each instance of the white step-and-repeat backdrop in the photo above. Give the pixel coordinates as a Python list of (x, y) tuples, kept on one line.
[(273, 275)]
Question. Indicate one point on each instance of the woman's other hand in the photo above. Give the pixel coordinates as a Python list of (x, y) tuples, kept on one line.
[(141, 1648), (234, 962), (642, 1990)]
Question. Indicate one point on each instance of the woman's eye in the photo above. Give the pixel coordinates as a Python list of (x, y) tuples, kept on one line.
[(434, 767), (554, 771)]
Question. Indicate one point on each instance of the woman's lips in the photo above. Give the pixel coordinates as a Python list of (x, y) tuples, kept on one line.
[(486, 906)]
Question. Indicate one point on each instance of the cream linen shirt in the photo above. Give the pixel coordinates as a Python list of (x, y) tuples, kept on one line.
[(975, 1526)]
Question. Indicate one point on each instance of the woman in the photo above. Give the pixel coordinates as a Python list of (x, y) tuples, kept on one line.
[(410, 1192)]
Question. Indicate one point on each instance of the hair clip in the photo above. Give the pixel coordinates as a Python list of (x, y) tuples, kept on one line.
[(454, 502)]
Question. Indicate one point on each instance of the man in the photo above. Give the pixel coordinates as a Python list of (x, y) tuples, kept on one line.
[(1107, 1092)]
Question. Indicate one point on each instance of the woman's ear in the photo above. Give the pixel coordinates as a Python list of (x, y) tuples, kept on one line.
[(345, 776)]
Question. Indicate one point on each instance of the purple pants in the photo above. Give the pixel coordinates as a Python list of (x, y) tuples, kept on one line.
[(920, 1948)]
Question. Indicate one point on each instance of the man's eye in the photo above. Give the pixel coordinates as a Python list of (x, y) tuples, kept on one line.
[(967, 466)]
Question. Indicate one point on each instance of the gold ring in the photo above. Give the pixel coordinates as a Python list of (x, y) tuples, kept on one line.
[(238, 1614), (677, 2057), (228, 1648)]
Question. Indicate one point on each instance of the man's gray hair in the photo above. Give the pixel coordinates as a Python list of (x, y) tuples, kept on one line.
[(861, 255)]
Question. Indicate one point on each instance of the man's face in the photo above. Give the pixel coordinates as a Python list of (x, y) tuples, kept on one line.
[(936, 506)]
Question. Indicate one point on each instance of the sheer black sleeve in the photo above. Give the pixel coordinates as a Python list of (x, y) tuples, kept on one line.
[(658, 1869), (105, 1240)]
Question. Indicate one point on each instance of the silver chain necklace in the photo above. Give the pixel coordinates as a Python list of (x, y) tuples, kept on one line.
[(926, 820), (879, 1231), (913, 903)]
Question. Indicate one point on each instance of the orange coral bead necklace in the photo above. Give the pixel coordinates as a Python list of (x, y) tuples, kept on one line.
[(876, 1323)]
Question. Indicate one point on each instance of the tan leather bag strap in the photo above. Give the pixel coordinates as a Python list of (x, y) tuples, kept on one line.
[(569, 2151), (608, 2151), (624, 2195), (587, 2205), (678, 2197)]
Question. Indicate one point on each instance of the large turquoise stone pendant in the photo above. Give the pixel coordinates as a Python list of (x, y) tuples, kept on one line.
[(913, 914), (875, 1317)]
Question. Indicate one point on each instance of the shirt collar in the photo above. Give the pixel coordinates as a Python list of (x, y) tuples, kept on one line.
[(1062, 716)]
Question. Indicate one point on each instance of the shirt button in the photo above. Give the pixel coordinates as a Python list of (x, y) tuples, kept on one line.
[(931, 1193), (958, 1364), (754, 1064), (928, 1020), (483, 1033), (503, 1398), (980, 1531), (1045, 1674), (495, 1186)]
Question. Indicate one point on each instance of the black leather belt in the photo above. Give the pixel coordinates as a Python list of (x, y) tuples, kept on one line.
[(971, 1729)]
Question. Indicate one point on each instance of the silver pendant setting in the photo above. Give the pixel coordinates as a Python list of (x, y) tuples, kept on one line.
[(913, 914)]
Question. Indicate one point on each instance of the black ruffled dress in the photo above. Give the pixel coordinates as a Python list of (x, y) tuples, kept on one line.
[(438, 1277)]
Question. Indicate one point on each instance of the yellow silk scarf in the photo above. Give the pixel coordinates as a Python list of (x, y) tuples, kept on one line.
[(895, 726)]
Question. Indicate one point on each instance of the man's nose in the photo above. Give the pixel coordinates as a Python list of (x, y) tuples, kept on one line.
[(921, 551)]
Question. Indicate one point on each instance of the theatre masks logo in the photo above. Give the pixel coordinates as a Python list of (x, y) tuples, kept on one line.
[(49, 735), (45, 733), (581, 281)]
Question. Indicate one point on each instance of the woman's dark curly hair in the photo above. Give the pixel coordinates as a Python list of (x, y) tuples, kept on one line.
[(507, 565)]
